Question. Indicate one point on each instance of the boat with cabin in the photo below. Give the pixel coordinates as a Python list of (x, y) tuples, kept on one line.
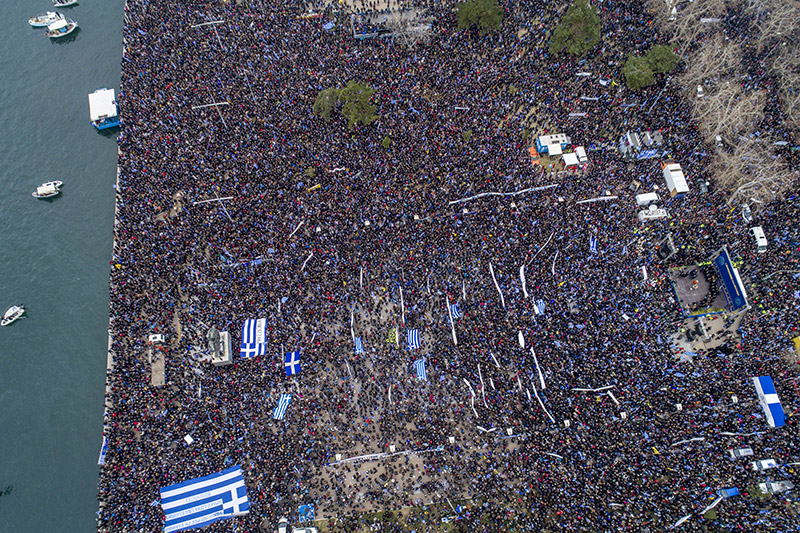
[(14, 313), (61, 28), (48, 190), (103, 110), (40, 21), (65, 3)]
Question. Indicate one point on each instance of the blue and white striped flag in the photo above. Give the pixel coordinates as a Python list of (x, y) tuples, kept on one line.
[(413, 339), (283, 404), (540, 306), (770, 403), (419, 368), (593, 244), (292, 363), (456, 311), (254, 338), (359, 346), (103, 450), (199, 502)]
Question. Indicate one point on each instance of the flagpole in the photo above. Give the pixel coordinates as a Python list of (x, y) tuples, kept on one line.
[(483, 386), (402, 307), (539, 370), (452, 326), (522, 278), (502, 300)]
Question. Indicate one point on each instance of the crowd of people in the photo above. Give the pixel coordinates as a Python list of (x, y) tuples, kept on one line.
[(329, 235)]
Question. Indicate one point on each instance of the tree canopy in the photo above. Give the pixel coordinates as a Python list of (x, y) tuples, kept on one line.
[(326, 102), (487, 15), (637, 72), (661, 59), (354, 99), (579, 30)]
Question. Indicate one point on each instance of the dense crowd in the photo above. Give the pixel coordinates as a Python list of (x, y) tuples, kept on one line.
[(180, 268)]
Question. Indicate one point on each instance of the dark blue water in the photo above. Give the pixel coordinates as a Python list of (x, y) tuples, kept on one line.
[(54, 259)]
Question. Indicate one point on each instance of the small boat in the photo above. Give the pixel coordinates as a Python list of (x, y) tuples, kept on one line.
[(48, 190), (60, 28), (64, 3), (45, 20), (14, 313)]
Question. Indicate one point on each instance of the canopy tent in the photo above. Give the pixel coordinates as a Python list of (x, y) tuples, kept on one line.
[(570, 160)]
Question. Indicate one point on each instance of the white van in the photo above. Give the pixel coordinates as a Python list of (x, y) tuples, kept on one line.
[(646, 198), (761, 239)]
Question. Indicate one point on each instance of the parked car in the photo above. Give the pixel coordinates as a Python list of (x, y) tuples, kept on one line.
[(283, 525)]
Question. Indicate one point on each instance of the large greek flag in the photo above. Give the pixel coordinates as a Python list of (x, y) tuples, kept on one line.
[(768, 398), (455, 311), (283, 404), (419, 368), (593, 244), (292, 363), (413, 339), (359, 346), (199, 502), (254, 338)]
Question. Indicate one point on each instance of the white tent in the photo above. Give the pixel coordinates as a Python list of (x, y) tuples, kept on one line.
[(570, 160), (581, 153)]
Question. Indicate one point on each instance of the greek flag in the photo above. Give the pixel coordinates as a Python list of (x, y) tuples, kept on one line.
[(103, 450), (770, 403), (593, 244), (456, 311), (283, 404), (254, 338), (359, 346), (201, 501), (540, 306), (292, 363), (419, 368), (413, 339)]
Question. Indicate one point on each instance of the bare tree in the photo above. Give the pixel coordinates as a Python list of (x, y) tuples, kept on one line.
[(693, 20), (751, 172), (716, 59), (728, 111)]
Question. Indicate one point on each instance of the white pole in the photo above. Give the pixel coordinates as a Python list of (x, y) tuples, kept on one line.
[(452, 326), (503, 300), (295, 229), (553, 268), (306, 261), (483, 387), (402, 307), (463, 290), (542, 405), (390, 393), (472, 397), (491, 382), (541, 248), (348, 369), (352, 332), (539, 370), (522, 278), (361, 278), (495, 361)]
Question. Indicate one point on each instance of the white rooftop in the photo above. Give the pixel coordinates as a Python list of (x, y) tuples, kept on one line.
[(57, 25), (570, 160), (102, 104)]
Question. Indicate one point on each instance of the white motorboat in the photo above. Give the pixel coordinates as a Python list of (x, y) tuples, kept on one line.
[(14, 313), (48, 190), (61, 28), (45, 20), (64, 3)]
